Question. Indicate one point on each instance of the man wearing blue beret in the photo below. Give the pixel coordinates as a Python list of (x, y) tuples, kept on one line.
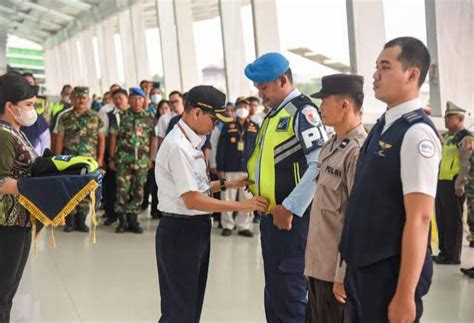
[(282, 169)]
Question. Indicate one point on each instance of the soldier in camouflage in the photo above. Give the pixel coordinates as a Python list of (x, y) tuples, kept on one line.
[(81, 132), (130, 156)]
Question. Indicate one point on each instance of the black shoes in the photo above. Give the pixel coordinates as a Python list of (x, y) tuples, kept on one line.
[(133, 224), (441, 260), (109, 221), (226, 232), (471, 244), (123, 225), (69, 228), (246, 233), (82, 228), (468, 271)]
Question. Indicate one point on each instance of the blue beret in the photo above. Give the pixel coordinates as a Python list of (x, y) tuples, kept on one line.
[(267, 67), (137, 91)]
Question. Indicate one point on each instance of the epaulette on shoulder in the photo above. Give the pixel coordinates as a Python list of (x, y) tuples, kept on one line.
[(344, 143), (413, 116)]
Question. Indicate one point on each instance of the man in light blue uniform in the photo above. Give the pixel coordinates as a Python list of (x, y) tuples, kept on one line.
[(283, 169)]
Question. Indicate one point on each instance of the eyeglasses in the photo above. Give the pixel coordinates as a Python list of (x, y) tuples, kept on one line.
[(211, 114)]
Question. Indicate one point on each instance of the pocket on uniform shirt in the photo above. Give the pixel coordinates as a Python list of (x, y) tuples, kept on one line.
[(329, 194)]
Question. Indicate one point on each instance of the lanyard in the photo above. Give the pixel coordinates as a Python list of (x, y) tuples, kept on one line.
[(20, 136)]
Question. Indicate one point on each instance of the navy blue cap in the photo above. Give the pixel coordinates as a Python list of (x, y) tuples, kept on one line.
[(267, 68), (136, 91)]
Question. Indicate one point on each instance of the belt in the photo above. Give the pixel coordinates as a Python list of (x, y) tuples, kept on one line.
[(187, 217)]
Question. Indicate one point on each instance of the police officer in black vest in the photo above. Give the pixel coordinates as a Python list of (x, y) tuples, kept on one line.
[(385, 235)]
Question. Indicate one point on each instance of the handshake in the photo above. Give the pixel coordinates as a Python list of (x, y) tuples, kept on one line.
[(282, 217)]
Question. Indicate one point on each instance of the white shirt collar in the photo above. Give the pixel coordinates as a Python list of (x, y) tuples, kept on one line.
[(293, 94), (398, 111), (196, 140)]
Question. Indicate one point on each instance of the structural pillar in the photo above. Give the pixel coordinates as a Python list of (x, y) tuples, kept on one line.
[(186, 48), (139, 41), (265, 26), (450, 38), (74, 61), (66, 62), (59, 68), (128, 51), (107, 54), (169, 45), (3, 50), (90, 65), (234, 46), (365, 45), (50, 71)]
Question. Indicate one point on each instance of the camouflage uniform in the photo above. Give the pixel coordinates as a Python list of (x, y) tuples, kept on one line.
[(131, 159), (81, 139)]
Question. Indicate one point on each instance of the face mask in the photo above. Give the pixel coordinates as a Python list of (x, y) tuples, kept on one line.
[(242, 113), (155, 98), (26, 118), (67, 99)]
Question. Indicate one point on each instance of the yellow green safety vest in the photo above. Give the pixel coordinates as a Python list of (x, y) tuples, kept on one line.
[(450, 160), (278, 154)]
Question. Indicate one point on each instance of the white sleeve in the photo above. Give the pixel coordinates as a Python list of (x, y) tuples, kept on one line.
[(215, 134), (420, 155), (161, 127), (181, 169)]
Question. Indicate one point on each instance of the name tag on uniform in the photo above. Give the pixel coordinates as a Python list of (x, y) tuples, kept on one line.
[(240, 145), (139, 131)]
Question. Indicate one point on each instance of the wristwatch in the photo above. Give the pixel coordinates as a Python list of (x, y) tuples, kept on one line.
[(222, 182)]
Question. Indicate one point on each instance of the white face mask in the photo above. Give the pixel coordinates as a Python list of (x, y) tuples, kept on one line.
[(24, 117), (155, 98), (242, 113)]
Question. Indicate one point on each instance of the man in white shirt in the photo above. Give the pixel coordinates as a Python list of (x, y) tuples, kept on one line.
[(385, 237), (184, 195)]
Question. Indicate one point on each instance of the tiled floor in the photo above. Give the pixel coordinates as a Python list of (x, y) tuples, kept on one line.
[(116, 281)]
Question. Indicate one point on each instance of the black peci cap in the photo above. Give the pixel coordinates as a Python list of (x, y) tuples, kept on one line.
[(340, 84), (15, 88), (211, 99)]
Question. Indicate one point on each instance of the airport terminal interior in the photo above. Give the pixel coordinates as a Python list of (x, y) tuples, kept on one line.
[(176, 45)]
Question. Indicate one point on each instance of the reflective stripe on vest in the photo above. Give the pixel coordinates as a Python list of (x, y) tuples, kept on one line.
[(450, 161), (276, 141)]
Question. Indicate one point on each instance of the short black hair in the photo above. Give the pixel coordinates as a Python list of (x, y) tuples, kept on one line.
[(65, 86), (357, 98), (28, 74), (120, 91), (414, 54), (15, 88), (176, 92), (106, 93), (253, 98), (289, 75), (144, 81)]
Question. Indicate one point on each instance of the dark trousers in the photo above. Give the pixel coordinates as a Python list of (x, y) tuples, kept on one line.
[(370, 289), (449, 211), (323, 307), (182, 254), (110, 194), (15, 245), (283, 261), (151, 188)]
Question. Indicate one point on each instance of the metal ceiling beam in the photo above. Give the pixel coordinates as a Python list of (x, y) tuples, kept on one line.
[(44, 9), (77, 4), (43, 22)]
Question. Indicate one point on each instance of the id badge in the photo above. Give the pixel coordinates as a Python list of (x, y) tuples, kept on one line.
[(240, 146), (139, 131)]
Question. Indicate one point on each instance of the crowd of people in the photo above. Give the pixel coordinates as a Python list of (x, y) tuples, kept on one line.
[(344, 217)]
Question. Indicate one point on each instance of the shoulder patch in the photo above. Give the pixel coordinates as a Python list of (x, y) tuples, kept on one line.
[(344, 143), (283, 124), (426, 148), (311, 115)]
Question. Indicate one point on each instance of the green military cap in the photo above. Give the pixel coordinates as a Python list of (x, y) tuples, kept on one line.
[(452, 108), (80, 91)]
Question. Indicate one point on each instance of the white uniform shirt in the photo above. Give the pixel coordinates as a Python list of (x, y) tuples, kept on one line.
[(180, 167), (103, 115), (420, 153), (163, 122)]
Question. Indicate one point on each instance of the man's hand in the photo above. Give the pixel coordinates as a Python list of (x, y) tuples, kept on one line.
[(150, 164), (255, 204), (459, 191), (221, 174), (281, 217), (238, 182), (402, 309), (339, 292)]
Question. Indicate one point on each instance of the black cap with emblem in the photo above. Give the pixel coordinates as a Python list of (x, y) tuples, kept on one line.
[(340, 84), (210, 99)]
